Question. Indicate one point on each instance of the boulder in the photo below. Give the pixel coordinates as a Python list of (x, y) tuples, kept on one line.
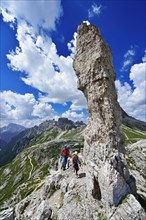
[(43, 211), (35, 205), (129, 209)]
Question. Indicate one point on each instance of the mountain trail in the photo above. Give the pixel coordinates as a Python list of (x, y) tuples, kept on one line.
[(60, 135), (127, 138), (39, 185), (69, 181)]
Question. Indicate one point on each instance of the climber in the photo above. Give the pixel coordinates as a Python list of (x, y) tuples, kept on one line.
[(76, 162), (65, 155)]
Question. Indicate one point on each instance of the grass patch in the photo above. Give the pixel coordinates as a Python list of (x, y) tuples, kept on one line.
[(125, 199), (101, 217), (44, 137), (44, 171), (74, 134), (131, 135)]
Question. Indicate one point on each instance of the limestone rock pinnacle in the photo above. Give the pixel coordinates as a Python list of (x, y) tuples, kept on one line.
[(107, 171)]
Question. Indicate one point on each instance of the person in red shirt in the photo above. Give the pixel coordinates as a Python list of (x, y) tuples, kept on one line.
[(65, 155)]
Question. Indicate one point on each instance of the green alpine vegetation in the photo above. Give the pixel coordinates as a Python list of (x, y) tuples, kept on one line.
[(132, 135)]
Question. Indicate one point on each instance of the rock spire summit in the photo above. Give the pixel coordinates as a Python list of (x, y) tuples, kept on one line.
[(104, 152)]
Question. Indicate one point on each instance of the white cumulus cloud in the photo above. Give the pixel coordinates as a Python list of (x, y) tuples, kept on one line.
[(72, 115), (39, 14), (23, 109), (36, 56), (72, 45), (133, 100), (128, 58), (44, 69)]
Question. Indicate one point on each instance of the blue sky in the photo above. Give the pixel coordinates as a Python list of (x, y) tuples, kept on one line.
[(38, 40)]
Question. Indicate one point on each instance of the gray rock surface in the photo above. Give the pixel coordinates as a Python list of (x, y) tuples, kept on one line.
[(62, 196), (35, 206), (7, 214), (78, 205), (43, 211), (136, 157), (126, 210), (107, 170)]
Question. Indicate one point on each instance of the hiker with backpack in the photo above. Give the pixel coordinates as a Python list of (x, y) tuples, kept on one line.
[(76, 162), (65, 155)]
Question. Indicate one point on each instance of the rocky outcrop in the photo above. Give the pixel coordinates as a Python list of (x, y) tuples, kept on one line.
[(108, 175), (7, 214), (77, 204), (36, 206), (65, 123), (136, 158), (62, 196), (130, 209)]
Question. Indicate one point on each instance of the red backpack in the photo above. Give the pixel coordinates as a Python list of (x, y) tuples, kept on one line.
[(65, 152)]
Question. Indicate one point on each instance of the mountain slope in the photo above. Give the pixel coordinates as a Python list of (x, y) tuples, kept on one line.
[(132, 122), (51, 129), (2, 144), (46, 131), (9, 131), (132, 135), (28, 170)]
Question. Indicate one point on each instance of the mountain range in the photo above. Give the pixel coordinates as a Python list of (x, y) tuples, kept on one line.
[(46, 131)]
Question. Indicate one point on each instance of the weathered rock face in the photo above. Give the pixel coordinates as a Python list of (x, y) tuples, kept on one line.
[(7, 214), (36, 206), (62, 196), (136, 157), (107, 171)]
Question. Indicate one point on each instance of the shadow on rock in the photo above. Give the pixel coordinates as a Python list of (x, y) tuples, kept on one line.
[(81, 175)]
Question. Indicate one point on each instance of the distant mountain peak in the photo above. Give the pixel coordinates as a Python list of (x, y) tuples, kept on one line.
[(12, 127), (9, 131)]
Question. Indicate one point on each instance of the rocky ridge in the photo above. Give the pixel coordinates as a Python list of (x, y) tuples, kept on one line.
[(36, 164), (62, 196)]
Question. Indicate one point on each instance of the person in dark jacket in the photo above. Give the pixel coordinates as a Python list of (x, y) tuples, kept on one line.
[(76, 162)]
